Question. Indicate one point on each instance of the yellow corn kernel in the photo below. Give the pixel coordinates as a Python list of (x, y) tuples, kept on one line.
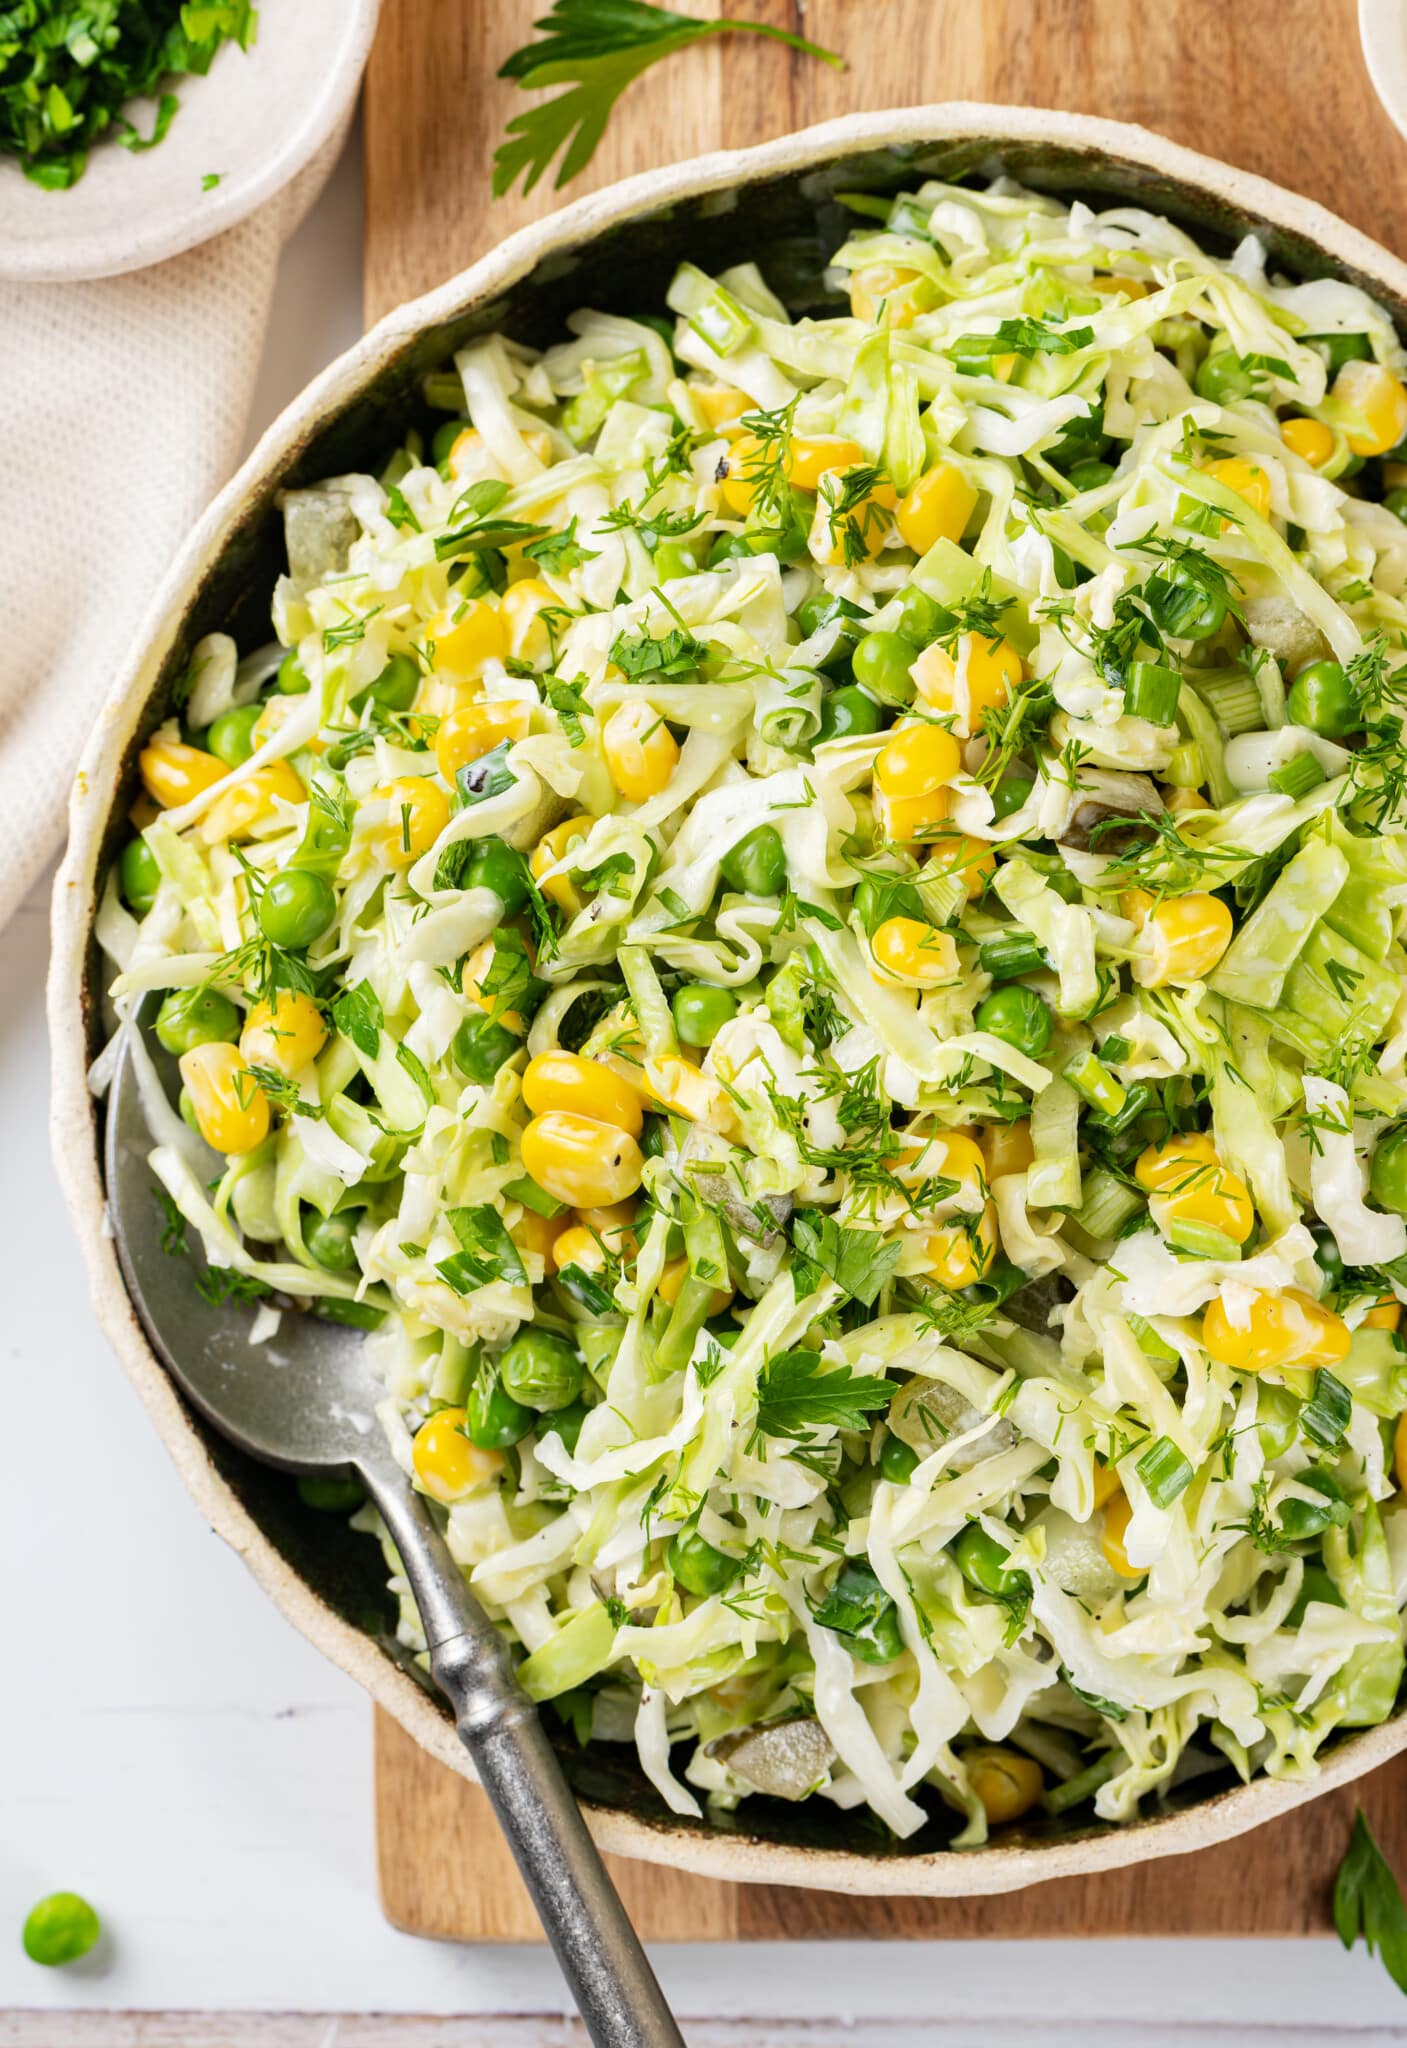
[(447, 1465), (683, 1089), (676, 1272), (251, 802), (476, 969), (1311, 440), (275, 714), (1276, 1330), (951, 1155), (812, 456), (1182, 938), (172, 773), (417, 811), (721, 404), (980, 679), (1118, 1513), (1007, 1784), (470, 443), (564, 1080), (1247, 479), (1385, 1314), (1184, 800), (960, 1253), (850, 524), (539, 1234), (475, 730), (581, 1161), (937, 508), (553, 847), (1007, 1148), (1106, 1483), (231, 1110), (522, 606), (641, 752), (1399, 1451), (1110, 287), (973, 861), (888, 291), (578, 1246), (914, 953), (1379, 403), (465, 636), (1193, 1186), (911, 774), (285, 1033), (613, 1225), (742, 470)]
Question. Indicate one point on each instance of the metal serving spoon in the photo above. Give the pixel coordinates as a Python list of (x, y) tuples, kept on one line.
[(306, 1403)]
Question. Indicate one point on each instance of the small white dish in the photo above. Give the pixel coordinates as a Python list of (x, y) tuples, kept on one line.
[(252, 122), (1382, 30)]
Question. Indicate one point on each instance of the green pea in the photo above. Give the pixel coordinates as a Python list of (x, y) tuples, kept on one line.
[(1222, 377), (60, 1929), (898, 1461), (1090, 474), (1011, 795), (847, 711), (1396, 503), (1388, 1180), (1183, 609), (822, 608), (700, 1012), (672, 558), (480, 1047), (757, 865), (292, 678), (139, 873), (881, 664), (1322, 698), (1343, 348), (329, 1240), (196, 1016), (492, 1418), (231, 736), (1277, 1419), (982, 1562), (444, 437), (297, 906), (498, 867), (1328, 1258), (919, 615), (1019, 1017), (697, 1566), (541, 1370), (396, 687), (1301, 1519), (331, 1493), (566, 1423), (1315, 1585)]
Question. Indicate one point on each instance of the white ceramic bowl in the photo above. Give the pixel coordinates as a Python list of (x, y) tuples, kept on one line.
[(255, 120), (1382, 29), (617, 248)]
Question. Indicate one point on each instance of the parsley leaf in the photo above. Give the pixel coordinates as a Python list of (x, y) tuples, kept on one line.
[(486, 1252), (1368, 1902), (1020, 337), (358, 1015), (796, 1394), (857, 1260), (677, 654), (597, 48), (559, 552)]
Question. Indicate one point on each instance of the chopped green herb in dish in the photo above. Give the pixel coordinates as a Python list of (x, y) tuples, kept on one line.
[(803, 920), (69, 70)]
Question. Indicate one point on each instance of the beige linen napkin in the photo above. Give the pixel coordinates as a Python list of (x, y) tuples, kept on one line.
[(122, 411)]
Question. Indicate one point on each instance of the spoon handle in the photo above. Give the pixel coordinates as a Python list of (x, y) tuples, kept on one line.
[(611, 1980)]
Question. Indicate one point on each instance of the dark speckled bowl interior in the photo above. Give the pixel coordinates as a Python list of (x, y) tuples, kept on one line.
[(779, 206)]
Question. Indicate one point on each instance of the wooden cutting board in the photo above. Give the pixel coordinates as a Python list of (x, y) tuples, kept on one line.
[(1275, 86)]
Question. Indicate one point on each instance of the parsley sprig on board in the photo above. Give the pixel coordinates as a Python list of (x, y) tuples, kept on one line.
[(597, 48), (69, 67)]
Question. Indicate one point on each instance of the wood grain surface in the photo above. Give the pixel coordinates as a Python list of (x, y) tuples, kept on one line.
[(1275, 86)]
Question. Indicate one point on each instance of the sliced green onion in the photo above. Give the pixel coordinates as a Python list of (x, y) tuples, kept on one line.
[(1115, 1049), (1010, 955), (1151, 691), (1150, 1342), (1201, 1240), (1325, 1416), (532, 1197), (1075, 1791), (1233, 699), (1298, 777), (707, 1253), (1140, 1095), (1089, 1077), (1164, 1472), (713, 313), (1108, 1203)]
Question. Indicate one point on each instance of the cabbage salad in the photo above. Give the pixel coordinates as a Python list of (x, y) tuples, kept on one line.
[(803, 922)]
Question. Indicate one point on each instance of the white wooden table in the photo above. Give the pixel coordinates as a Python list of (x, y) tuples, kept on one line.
[(193, 1767)]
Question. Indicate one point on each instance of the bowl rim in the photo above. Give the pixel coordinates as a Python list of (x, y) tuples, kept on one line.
[(135, 239), (734, 1856)]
